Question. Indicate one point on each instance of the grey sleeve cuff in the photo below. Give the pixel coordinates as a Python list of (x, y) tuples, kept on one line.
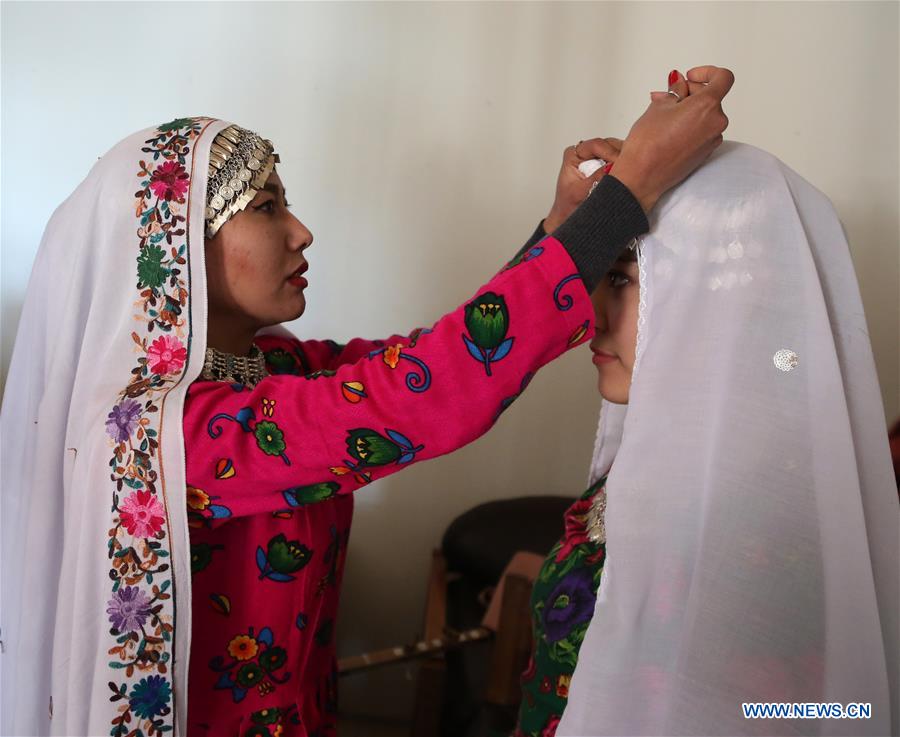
[(595, 234)]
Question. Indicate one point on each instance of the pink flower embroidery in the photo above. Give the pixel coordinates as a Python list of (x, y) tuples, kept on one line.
[(167, 355), (142, 514), (169, 181), (549, 729), (576, 532)]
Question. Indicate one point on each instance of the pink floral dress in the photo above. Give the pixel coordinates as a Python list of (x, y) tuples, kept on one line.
[(271, 469)]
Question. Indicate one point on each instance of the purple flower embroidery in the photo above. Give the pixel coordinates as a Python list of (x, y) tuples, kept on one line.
[(571, 603), (123, 419), (128, 609)]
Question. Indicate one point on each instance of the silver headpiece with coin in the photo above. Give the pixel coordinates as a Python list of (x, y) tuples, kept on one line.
[(240, 162)]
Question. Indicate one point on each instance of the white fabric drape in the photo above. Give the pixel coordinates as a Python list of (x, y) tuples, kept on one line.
[(752, 519), (84, 331)]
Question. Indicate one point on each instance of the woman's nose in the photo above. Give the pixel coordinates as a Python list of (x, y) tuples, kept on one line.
[(301, 238)]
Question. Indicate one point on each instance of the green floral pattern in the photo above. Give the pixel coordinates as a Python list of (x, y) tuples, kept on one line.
[(562, 603), (269, 438)]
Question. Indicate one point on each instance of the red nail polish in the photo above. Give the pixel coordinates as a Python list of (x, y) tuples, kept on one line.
[(607, 169), (673, 77)]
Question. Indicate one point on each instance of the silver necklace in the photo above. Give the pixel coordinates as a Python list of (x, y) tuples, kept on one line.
[(247, 370), (595, 524)]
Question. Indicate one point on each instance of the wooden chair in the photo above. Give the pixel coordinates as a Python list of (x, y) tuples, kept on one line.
[(504, 635), (511, 636), (509, 653)]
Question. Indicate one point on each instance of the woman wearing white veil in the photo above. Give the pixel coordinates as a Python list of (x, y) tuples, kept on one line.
[(142, 445), (751, 519)]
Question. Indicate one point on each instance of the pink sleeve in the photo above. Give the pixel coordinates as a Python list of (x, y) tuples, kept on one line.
[(293, 440), (330, 355), (287, 354)]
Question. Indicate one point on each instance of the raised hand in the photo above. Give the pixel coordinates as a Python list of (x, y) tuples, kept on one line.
[(572, 187), (674, 136)]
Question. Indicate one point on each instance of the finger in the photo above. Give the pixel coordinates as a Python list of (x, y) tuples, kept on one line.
[(663, 97), (701, 74), (678, 84), (616, 143), (718, 79), (570, 155), (598, 148), (695, 87)]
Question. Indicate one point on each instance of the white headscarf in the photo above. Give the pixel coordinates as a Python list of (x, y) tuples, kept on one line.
[(752, 520), (113, 325)]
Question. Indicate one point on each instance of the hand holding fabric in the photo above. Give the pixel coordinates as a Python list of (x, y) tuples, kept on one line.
[(572, 187), (673, 137)]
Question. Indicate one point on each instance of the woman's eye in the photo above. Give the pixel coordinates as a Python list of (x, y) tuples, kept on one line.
[(617, 279), (267, 206)]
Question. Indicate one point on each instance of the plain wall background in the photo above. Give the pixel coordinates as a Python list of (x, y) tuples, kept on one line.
[(420, 143)]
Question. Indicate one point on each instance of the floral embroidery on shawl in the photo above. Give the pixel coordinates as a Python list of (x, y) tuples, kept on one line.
[(140, 609)]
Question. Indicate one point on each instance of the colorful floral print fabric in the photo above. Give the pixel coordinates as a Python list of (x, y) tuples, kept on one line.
[(271, 471), (140, 609), (562, 603)]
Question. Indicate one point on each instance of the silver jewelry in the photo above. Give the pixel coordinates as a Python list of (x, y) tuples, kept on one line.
[(786, 360), (240, 162), (595, 524), (672, 92), (247, 370)]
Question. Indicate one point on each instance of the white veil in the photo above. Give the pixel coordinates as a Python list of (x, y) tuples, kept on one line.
[(95, 556), (752, 519)]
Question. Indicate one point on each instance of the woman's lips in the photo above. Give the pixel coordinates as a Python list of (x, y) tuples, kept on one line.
[(600, 357), (297, 278)]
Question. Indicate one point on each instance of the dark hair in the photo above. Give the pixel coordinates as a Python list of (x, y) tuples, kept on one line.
[(628, 254)]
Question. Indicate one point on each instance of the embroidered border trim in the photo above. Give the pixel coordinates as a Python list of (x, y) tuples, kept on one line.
[(141, 609)]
